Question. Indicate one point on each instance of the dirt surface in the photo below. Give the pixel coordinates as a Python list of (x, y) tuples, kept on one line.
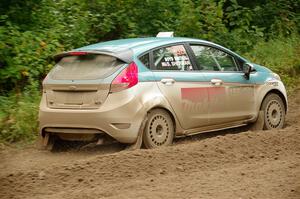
[(226, 164)]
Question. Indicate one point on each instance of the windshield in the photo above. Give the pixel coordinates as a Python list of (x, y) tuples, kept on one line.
[(85, 67)]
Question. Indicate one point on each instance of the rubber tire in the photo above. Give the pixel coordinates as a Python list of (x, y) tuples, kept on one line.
[(151, 138), (270, 103), (50, 145)]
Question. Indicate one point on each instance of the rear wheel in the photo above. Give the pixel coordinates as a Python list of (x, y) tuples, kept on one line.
[(159, 129), (274, 112), (47, 142)]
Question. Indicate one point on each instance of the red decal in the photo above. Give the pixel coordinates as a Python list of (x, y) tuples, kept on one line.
[(199, 94), (194, 94), (216, 91)]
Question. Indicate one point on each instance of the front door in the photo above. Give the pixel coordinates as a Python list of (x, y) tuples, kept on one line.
[(231, 95)]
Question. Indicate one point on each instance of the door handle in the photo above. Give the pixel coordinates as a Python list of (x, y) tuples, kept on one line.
[(167, 81), (216, 82)]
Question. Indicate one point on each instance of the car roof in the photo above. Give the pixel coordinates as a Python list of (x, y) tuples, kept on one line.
[(138, 46)]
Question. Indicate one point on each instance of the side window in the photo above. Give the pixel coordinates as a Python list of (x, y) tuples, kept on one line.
[(225, 61), (204, 58), (212, 59), (172, 58), (240, 63), (145, 59)]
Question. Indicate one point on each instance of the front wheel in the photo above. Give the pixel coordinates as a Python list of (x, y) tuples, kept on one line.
[(274, 112), (159, 129)]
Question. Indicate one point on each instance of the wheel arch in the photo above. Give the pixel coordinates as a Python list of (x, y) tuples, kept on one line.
[(160, 102), (280, 94)]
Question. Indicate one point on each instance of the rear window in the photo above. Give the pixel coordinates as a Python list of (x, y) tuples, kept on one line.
[(85, 67)]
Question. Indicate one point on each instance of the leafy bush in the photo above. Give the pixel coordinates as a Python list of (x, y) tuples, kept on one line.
[(18, 116), (282, 55)]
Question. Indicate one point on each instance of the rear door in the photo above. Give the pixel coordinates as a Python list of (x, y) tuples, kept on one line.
[(182, 85), (80, 81), (231, 95)]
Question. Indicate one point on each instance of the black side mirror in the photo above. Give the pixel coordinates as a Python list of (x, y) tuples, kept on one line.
[(248, 68)]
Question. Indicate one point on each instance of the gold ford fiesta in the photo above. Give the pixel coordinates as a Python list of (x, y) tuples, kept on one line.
[(150, 90)]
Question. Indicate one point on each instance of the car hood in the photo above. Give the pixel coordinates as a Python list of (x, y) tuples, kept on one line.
[(260, 68)]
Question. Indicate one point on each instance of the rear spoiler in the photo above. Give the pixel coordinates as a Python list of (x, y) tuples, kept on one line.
[(124, 55)]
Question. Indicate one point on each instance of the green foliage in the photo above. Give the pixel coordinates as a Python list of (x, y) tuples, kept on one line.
[(25, 56), (32, 31), (282, 55), (18, 115), (243, 33), (201, 19)]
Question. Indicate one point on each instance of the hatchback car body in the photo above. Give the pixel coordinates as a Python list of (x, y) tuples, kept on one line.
[(156, 89)]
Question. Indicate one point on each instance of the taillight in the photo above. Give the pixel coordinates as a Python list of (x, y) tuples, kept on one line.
[(126, 79), (78, 53)]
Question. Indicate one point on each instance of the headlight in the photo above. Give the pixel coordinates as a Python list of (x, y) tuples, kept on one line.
[(276, 76)]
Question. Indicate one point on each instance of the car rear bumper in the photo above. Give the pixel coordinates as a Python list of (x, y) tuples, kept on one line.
[(120, 116)]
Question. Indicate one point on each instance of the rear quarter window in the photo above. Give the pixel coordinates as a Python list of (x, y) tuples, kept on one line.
[(145, 59)]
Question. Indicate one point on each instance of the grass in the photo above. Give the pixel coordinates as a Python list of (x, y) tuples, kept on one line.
[(18, 116)]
